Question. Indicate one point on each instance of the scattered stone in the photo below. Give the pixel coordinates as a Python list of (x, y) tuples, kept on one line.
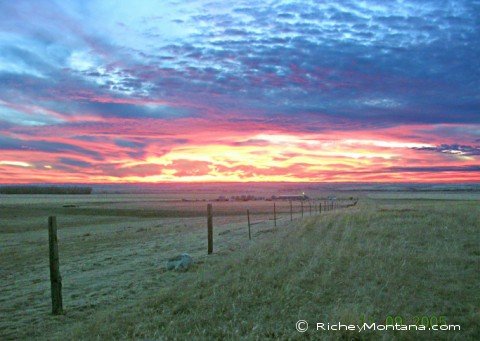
[(180, 263), (224, 232), (69, 205)]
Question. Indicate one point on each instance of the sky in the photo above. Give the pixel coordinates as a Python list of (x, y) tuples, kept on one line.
[(200, 91)]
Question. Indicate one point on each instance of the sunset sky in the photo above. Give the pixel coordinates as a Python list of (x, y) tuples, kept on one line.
[(161, 91)]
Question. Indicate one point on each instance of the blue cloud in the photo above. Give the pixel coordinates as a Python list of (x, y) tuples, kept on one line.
[(371, 63), (9, 143), (74, 162)]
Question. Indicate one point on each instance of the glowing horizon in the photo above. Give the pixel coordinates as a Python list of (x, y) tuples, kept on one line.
[(291, 91)]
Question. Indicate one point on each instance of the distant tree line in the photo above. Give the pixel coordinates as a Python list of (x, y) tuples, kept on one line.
[(45, 190)]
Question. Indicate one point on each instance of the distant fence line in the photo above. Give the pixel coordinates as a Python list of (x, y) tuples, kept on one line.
[(313, 206)]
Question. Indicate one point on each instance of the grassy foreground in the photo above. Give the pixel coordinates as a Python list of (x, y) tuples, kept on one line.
[(404, 258)]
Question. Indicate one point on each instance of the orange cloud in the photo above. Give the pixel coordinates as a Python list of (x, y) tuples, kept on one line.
[(185, 150)]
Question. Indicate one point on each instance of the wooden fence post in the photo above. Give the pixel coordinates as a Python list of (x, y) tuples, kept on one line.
[(301, 202), (55, 278), (248, 219), (320, 208), (291, 211), (274, 215), (210, 228), (310, 204)]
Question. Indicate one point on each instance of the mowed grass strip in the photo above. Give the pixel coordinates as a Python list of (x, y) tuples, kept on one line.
[(368, 261)]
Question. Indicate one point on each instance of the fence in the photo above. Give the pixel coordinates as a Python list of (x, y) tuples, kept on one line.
[(300, 209)]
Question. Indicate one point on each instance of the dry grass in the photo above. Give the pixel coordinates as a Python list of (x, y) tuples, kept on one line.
[(407, 258), (24, 213)]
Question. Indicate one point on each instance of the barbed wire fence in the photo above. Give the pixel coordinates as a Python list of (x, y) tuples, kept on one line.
[(302, 209), (308, 207)]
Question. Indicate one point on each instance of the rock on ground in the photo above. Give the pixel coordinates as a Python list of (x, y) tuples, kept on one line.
[(182, 262)]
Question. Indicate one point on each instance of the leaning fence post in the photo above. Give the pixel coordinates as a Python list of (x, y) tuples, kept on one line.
[(248, 219), (55, 278), (291, 211), (210, 228), (274, 215)]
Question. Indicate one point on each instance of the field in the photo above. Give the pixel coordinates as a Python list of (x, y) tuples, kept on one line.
[(393, 254)]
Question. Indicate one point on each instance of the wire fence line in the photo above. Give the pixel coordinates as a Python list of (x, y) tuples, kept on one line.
[(302, 208), (307, 208), (281, 210)]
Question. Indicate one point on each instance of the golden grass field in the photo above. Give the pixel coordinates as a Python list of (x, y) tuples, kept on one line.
[(393, 254)]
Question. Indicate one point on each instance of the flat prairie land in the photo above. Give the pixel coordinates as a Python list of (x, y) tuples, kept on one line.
[(406, 255)]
